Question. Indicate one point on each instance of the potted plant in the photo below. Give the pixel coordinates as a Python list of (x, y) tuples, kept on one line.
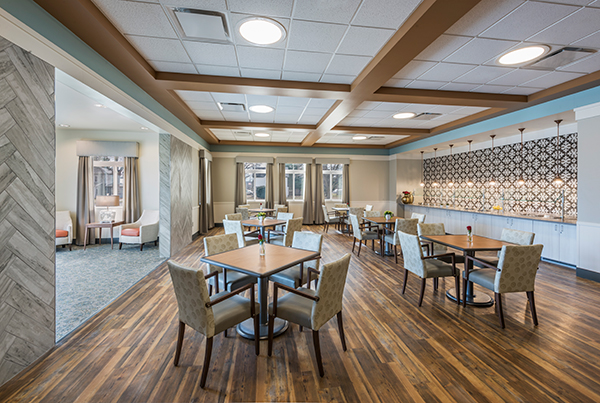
[(388, 214), (261, 244), (261, 217), (469, 234), (407, 197)]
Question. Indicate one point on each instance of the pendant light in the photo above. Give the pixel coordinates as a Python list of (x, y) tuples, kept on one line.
[(557, 180), (451, 183), (492, 181), (469, 181), (435, 182), (422, 183), (521, 181)]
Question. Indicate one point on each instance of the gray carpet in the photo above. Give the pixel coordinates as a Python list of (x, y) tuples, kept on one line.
[(86, 281)]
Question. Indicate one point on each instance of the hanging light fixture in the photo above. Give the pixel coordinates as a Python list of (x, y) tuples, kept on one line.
[(469, 181), (521, 181), (492, 182), (557, 180), (422, 167), (451, 183), (435, 182)]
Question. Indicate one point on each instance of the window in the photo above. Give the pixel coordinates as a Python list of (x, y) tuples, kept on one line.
[(294, 181), (108, 176), (332, 181), (256, 180)]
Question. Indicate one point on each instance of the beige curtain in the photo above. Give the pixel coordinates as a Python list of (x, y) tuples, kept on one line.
[(131, 191), (319, 195), (346, 189), (269, 197), (282, 192), (240, 184), (85, 198), (209, 197), (202, 197), (307, 212)]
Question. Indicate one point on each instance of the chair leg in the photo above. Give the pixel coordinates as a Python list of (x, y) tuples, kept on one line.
[(318, 352), (499, 308), (423, 283), (373, 245), (341, 329), (457, 287), (464, 292), (156, 243), (256, 335), (405, 280), (179, 343), (396, 253), (435, 283), (532, 306), (353, 244), (270, 343), (120, 245), (207, 354), (141, 247), (359, 245), (70, 247), (225, 332)]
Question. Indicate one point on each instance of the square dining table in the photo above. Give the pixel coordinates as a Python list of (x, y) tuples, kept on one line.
[(248, 260), (478, 244), (263, 225), (389, 224)]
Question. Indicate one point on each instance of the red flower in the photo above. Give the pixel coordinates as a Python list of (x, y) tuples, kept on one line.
[(260, 237), (469, 228)]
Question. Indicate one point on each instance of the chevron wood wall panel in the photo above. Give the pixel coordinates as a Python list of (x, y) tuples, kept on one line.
[(27, 208)]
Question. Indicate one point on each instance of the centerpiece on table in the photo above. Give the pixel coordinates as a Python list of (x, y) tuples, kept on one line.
[(388, 214), (407, 197), (261, 244), (261, 217), (469, 234)]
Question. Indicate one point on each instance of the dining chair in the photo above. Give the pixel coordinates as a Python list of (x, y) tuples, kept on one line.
[(143, 231), (280, 208), (340, 205), (329, 219), (369, 207), (516, 271), (234, 217), (420, 217), (293, 225), (228, 280), (434, 247), (235, 227), (244, 212), (209, 315), (282, 216), (426, 266), (370, 225), (517, 237), (359, 212), (361, 235), (295, 277), (408, 226), (64, 229), (313, 308)]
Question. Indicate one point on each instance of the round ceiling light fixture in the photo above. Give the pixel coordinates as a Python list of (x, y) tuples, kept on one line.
[(261, 108), (404, 115), (262, 134), (359, 137), (523, 55), (261, 31)]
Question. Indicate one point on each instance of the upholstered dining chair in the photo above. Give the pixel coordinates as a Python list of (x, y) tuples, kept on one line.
[(329, 219), (513, 236), (359, 212), (420, 217), (425, 266), (436, 248), (340, 205), (516, 271), (312, 309), (142, 231), (361, 235), (229, 280), (279, 208), (282, 216), (244, 212), (235, 227), (64, 229), (294, 277), (369, 207), (292, 225), (369, 225), (209, 315), (408, 226), (234, 217)]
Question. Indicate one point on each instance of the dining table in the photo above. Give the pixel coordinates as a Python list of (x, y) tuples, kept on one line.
[(469, 248), (262, 225), (267, 211), (387, 225), (249, 261)]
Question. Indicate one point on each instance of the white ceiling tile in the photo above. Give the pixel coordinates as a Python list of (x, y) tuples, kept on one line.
[(592, 41), (281, 118), (414, 69), (493, 89), (367, 105), (173, 67), (357, 113), (289, 110), (521, 91), (384, 13), (218, 70), (528, 19), (366, 121), (480, 50), (233, 98), (315, 111), (337, 11), (364, 41), (458, 87), (315, 36), (445, 109), (260, 58), (518, 77), (587, 65), (390, 106), (576, 26), (347, 65), (299, 76), (483, 74), (446, 72), (482, 16), (137, 18), (389, 122), (194, 96), (213, 5), (235, 116), (377, 114), (166, 50), (260, 73), (337, 79), (211, 53), (576, 2), (552, 79), (209, 115), (321, 103), (425, 85), (309, 62), (309, 120), (262, 117), (293, 101), (277, 8), (203, 106), (268, 100), (347, 121), (397, 83), (442, 47)]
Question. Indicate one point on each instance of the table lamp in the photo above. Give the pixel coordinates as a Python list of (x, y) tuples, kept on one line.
[(107, 201)]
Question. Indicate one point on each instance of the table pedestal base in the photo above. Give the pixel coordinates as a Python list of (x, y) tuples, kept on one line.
[(246, 329), (480, 299)]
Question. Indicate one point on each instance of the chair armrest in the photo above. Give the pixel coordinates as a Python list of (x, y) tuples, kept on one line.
[(294, 291), (310, 269), (230, 294), (211, 274), (451, 254), (482, 262)]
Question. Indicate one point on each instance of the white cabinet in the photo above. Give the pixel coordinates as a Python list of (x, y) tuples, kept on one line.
[(559, 240)]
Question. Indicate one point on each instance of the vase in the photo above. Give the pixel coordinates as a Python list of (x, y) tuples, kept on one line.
[(387, 217), (261, 249), (261, 219), (469, 237), (408, 199)]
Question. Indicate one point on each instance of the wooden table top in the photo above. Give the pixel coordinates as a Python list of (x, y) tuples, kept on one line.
[(104, 224), (264, 210), (267, 222), (480, 243), (248, 260), (382, 220)]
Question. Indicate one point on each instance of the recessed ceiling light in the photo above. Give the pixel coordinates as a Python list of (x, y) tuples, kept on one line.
[(404, 115), (64, 125), (144, 128), (523, 55), (99, 106), (261, 108), (261, 31), (359, 137), (262, 134)]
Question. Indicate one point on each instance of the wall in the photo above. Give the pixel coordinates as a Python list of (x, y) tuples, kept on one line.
[(27, 208), (408, 178)]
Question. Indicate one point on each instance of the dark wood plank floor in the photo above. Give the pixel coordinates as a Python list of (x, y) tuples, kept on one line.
[(396, 351)]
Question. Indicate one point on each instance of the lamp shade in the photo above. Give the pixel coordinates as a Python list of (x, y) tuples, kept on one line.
[(107, 201)]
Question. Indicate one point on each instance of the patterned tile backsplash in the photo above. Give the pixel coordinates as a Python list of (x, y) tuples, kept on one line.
[(539, 163)]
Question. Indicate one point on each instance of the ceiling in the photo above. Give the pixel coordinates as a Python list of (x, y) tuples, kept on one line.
[(345, 67)]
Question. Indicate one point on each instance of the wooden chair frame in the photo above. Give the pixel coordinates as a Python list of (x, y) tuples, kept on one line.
[(455, 273)]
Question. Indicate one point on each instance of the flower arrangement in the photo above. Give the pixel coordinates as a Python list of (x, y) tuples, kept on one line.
[(261, 240), (407, 197), (497, 208), (469, 233), (406, 192), (263, 215), (261, 243), (388, 212)]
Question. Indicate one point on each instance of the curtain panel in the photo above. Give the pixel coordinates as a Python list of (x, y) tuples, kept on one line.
[(209, 197), (240, 185), (282, 192), (85, 213), (203, 210), (319, 195), (307, 212), (131, 190), (269, 197), (346, 189)]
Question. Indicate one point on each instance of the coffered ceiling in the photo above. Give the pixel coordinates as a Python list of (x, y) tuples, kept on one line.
[(345, 67)]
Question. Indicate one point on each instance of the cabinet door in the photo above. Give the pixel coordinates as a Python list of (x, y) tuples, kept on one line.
[(408, 210), (483, 225), (521, 224), (452, 222), (497, 223), (548, 234), (568, 244)]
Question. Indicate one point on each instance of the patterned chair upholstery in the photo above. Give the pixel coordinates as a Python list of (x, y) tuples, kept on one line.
[(292, 225), (513, 236), (282, 216), (420, 217), (361, 235), (292, 277), (408, 226), (279, 208), (425, 266), (234, 217), (516, 271), (329, 219), (312, 309), (340, 205), (235, 227), (371, 213), (208, 315), (223, 243), (244, 212), (436, 248)]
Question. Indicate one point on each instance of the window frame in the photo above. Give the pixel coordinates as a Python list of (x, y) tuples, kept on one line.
[(332, 172), (294, 172), (253, 172), (114, 165)]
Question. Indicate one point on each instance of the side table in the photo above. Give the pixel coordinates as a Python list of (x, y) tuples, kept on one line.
[(101, 225)]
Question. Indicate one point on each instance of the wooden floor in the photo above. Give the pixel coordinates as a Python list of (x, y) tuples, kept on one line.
[(396, 351)]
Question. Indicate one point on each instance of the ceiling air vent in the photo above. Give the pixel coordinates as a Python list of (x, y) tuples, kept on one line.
[(201, 25), (376, 137), (231, 107), (562, 57), (426, 116), (241, 133)]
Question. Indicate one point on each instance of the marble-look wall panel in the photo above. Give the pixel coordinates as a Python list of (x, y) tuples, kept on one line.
[(164, 145), (27, 208)]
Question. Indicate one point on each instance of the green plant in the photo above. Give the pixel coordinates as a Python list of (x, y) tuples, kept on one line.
[(386, 212), (261, 215)]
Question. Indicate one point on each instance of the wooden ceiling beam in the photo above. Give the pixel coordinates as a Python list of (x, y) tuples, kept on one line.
[(388, 131), (222, 124), (440, 97), (280, 144)]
